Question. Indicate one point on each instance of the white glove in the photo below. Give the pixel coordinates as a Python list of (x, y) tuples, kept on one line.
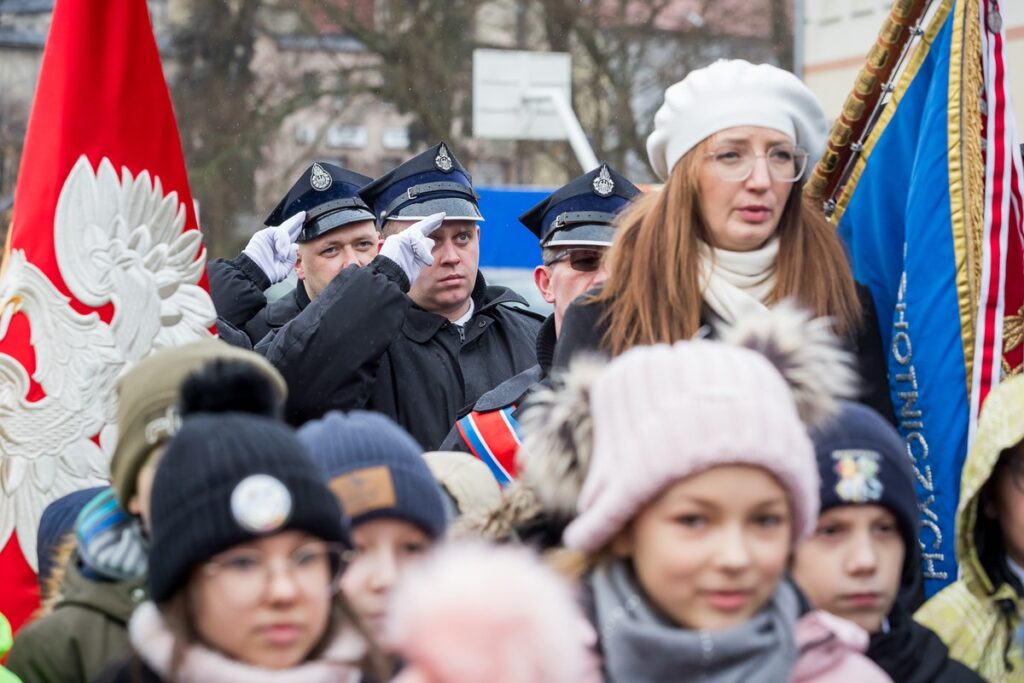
[(274, 250), (411, 248)]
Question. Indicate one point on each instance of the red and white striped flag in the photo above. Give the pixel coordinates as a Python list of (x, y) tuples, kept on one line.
[(103, 264)]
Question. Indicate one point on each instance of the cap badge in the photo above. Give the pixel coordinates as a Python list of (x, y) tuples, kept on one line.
[(858, 476), (320, 179), (261, 504), (603, 183), (443, 160)]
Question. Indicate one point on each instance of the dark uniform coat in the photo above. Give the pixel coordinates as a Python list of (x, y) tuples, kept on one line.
[(236, 287), (513, 391), (583, 330), (364, 344)]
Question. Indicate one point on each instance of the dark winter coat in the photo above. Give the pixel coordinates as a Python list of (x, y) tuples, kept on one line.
[(364, 344), (583, 329), (236, 287), (81, 634), (512, 391), (912, 653)]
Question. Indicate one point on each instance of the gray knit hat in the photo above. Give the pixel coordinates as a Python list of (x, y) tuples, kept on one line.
[(375, 469)]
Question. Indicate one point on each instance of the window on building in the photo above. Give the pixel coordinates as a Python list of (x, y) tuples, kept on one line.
[(305, 133), (863, 8), (395, 138), (832, 11), (346, 137)]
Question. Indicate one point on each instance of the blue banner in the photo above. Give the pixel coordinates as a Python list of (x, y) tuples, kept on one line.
[(897, 225)]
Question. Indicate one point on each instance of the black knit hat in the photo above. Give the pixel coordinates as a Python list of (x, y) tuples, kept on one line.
[(862, 461), (376, 469), (225, 479)]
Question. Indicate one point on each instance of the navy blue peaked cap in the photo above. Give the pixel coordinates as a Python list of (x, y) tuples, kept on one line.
[(430, 182), (582, 212), (329, 195)]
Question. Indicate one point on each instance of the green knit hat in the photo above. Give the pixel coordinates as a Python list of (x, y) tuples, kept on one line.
[(147, 398)]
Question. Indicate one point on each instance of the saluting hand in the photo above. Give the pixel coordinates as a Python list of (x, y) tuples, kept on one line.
[(274, 250), (411, 249)]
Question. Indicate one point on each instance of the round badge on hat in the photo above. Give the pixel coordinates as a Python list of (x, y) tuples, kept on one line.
[(261, 504), (603, 183), (443, 160), (320, 179)]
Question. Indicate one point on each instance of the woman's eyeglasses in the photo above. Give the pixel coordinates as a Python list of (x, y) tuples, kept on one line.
[(735, 163), (582, 259), (242, 576)]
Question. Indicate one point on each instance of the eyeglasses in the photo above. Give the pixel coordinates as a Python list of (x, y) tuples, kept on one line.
[(735, 163), (584, 260), (242, 576)]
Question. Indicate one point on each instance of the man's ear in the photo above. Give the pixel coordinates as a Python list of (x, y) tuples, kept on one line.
[(542, 278), (299, 273)]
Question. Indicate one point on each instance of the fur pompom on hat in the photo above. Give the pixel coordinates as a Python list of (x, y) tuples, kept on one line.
[(731, 93), (450, 624)]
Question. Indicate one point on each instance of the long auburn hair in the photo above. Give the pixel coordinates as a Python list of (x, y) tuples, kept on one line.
[(653, 293)]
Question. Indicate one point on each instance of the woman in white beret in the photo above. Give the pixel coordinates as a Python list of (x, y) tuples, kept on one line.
[(729, 232)]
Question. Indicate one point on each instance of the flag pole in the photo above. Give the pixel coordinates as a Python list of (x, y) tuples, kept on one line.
[(863, 104)]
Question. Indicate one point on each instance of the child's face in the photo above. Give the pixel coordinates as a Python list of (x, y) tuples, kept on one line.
[(1009, 501), (266, 602), (711, 549), (383, 548), (852, 564)]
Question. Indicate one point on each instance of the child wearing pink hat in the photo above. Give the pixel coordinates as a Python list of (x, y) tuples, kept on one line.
[(699, 482)]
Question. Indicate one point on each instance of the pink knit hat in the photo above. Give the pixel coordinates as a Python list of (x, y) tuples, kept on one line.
[(663, 413)]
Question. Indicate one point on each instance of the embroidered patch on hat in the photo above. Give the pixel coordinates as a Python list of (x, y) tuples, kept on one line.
[(365, 490), (261, 504), (443, 161), (858, 475), (603, 183), (162, 428), (320, 179)]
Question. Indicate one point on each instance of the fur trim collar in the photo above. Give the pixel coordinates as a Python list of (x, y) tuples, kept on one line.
[(154, 642)]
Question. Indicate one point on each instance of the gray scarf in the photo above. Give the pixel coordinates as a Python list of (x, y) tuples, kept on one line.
[(640, 647)]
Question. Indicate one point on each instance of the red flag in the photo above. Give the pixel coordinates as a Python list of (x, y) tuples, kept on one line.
[(103, 264)]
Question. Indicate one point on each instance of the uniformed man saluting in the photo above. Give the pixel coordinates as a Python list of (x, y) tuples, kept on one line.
[(418, 334), (318, 228)]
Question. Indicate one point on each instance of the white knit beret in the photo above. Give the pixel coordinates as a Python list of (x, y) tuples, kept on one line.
[(731, 93), (664, 413)]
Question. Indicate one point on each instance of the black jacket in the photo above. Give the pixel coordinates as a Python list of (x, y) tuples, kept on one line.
[(237, 287), (364, 344), (513, 390), (911, 653), (583, 330)]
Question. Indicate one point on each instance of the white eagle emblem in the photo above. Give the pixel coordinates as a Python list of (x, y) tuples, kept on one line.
[(119, 241)]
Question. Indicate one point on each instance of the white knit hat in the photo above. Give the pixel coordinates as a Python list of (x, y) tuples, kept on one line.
[(732, 93), (663, 413)]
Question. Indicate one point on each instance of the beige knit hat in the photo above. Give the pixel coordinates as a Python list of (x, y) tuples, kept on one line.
[(147, 396), (467, 480)]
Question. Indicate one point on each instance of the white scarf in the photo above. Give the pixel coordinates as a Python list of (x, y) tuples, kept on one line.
[(153, 642), (736, 282)]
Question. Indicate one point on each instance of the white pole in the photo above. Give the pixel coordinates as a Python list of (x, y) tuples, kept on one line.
[(798, 38), (573, 130)]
